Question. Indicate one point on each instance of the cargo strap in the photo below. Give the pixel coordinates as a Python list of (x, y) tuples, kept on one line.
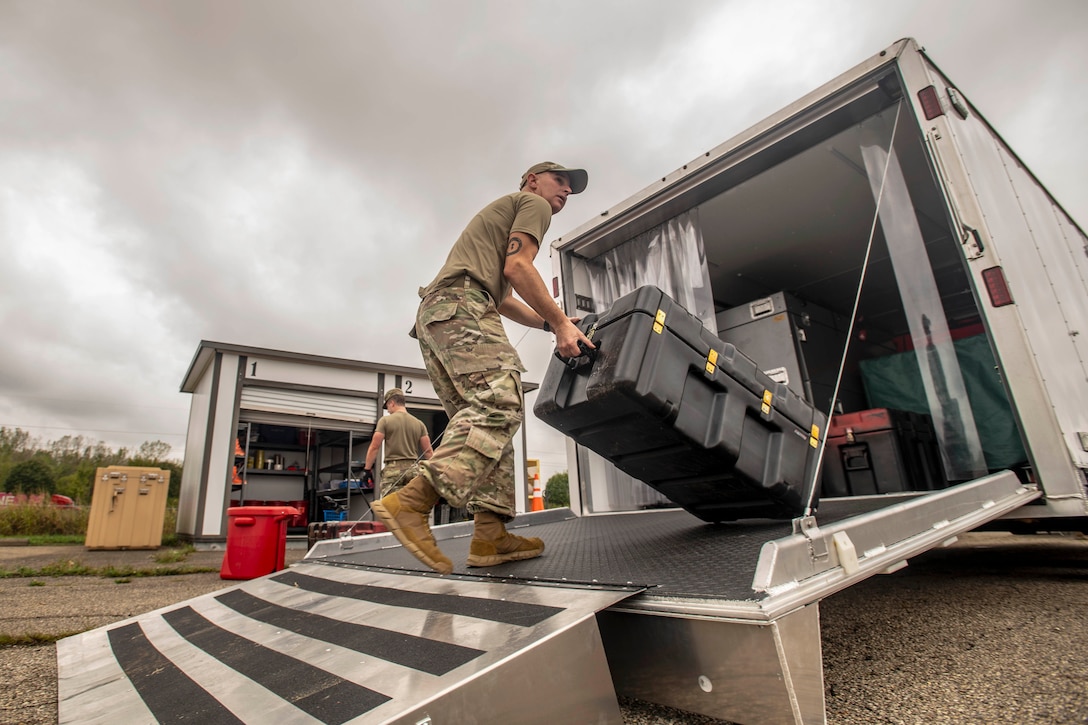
[(810, 507)]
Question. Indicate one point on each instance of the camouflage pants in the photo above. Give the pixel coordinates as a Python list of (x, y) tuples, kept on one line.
[(397, 474), (476, 373)]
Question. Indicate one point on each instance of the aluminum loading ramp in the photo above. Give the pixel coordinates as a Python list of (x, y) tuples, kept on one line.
[(320, 643), (728, 624), (721, 620)]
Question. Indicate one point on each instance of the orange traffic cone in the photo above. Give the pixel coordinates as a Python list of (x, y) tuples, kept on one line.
[(237, 481), (238, 452), (538, 498)]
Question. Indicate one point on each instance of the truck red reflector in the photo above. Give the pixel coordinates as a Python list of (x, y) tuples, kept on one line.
[(555, 287), (931, 104), (997, 287)]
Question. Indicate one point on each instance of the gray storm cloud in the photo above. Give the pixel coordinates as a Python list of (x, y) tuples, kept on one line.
[(286, 174)]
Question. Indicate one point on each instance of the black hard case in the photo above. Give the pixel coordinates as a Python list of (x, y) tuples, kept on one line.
[(670, 404)]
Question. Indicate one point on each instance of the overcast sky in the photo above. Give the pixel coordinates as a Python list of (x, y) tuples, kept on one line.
[(287, 174)]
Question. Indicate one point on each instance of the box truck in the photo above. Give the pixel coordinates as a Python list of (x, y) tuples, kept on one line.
[(875, 245), (876, 255)]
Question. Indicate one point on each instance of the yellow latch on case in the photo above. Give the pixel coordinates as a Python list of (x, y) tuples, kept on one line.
[(659, 321), (814, 436), (711, 361), (768, 396)]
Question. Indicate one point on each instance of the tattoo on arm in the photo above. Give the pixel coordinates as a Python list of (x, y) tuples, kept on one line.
[(513, 246)]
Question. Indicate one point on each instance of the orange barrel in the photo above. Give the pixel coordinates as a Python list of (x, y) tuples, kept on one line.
[(256, 541)]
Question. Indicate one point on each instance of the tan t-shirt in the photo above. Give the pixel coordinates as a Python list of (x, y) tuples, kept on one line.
[(480, 252), (402, 432)]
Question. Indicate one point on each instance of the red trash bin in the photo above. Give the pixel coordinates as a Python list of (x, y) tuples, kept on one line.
[(256, 541)]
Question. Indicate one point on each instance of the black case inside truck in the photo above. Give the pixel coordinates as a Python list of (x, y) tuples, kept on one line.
[(672, 405)]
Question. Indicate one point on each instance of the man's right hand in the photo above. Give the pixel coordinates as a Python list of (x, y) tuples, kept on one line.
[(567, 338)]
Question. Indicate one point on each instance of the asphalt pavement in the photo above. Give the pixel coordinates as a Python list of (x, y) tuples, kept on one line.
[(989, 630)]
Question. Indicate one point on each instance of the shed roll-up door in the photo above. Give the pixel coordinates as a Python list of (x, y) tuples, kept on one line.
[(327, 406)]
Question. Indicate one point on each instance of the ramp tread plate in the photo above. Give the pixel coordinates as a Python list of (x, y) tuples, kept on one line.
[(311, 644), (521, 614), (670, 552)]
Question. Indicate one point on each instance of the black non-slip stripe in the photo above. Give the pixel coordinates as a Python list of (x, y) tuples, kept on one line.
[(418, 653), (170, 695), (320, 694), (494, 610)]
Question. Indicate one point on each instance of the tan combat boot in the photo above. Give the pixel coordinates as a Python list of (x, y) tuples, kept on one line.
[(404, 513), (492, 544)]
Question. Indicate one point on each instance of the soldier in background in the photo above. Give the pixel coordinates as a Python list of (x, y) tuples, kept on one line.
[(476, 372), (406, 441)]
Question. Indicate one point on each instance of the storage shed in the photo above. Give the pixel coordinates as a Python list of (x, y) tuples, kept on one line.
[(272, 427)]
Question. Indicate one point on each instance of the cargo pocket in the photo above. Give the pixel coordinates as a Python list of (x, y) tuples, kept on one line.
[(439, 312), (468, 359), (484, 443), (440, 325), (479, 304)]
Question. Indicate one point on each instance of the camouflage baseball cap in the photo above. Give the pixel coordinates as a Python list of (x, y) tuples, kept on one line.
[(578, 177), (391, 392)]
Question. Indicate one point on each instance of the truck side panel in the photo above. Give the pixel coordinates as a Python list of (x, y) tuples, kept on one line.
[(1044, 257)]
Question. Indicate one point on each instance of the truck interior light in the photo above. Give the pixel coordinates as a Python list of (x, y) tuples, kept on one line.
[(931, 104), (890, 85), (997, 287)]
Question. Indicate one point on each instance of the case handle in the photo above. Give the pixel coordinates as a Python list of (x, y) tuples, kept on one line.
[(584, 359)]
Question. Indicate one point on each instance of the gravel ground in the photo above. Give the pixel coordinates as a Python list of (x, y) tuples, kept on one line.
[(991, 630)]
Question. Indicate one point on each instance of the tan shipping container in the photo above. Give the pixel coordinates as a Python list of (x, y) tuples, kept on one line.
[(128, 506)]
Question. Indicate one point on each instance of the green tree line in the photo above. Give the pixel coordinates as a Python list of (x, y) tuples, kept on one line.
[(67, 465)]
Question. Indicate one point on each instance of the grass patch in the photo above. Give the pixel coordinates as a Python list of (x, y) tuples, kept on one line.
[(70, 567), (125, 580), (36, 583), (45, 525), (40, 520), (55, 539), (33, 639), (78, 568), (174, 556)]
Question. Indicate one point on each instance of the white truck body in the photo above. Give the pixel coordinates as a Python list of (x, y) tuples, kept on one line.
[(789, 206)]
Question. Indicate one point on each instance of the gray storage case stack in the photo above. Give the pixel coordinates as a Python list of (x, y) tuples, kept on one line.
[(794, 342)]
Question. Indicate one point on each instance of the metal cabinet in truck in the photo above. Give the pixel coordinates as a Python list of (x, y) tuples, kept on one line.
[(933, 296)]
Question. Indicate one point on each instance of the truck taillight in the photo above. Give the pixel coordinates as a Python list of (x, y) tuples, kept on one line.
[(555, 287), (931, 104), (997, 287)]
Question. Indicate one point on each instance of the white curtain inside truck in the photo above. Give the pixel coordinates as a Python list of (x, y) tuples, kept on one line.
[(671, 257)]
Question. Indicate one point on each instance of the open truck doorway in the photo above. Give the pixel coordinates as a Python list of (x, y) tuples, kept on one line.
[(825, 247)]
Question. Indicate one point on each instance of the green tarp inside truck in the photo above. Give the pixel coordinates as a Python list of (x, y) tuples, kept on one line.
[(895, 382)]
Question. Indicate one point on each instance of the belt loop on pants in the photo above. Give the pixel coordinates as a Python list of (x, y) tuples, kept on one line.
[(467, 282), (471, 283)]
